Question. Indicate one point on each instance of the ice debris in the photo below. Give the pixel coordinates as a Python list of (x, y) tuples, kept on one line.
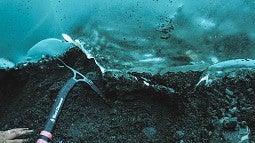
[(5, 64), (221, 69), (47, 47)]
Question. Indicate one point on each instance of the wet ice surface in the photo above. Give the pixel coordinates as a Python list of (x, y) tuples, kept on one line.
[(186, 38), (161, 56), (225, 68), (152, 36)]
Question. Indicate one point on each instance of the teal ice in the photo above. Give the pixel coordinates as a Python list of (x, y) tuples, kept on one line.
[(133, 34)]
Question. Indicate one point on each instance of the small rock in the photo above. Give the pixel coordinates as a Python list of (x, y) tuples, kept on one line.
[(238, 136), (231, 136), (230, 123), (244, 133), (249, 89), (229, 92), (163, 89), (150, 132), (243, 124), (204, 133), (233, 111), (113, 112), (179, 135)]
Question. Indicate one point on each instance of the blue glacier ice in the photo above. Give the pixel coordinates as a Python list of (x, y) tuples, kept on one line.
[(154, 34)]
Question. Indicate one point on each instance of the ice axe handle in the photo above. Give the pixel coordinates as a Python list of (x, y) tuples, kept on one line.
[(45, 135)]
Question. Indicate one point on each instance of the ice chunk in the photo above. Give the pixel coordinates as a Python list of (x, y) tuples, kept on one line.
[(221, 69), (47, 47), (4, 63)]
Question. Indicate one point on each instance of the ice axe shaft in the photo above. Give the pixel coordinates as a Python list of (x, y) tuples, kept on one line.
[(45, 135)]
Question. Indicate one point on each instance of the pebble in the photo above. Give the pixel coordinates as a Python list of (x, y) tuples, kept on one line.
[(230, 123), (229, 92), (179, 135), (237, 136), (150, 132)]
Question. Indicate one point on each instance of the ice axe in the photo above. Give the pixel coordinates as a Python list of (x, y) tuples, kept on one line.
[(46, 135)]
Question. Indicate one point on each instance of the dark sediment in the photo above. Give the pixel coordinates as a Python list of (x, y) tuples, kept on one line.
[(139, 107)]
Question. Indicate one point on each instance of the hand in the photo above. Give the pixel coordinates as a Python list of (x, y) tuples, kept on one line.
[(10, 135)]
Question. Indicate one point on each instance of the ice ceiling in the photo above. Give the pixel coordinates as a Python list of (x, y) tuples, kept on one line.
[(134, 35)]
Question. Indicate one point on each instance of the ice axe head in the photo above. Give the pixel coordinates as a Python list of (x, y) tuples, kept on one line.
[(77, 76)]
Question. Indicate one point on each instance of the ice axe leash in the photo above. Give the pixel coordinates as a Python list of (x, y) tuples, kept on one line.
[(45, 134)]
